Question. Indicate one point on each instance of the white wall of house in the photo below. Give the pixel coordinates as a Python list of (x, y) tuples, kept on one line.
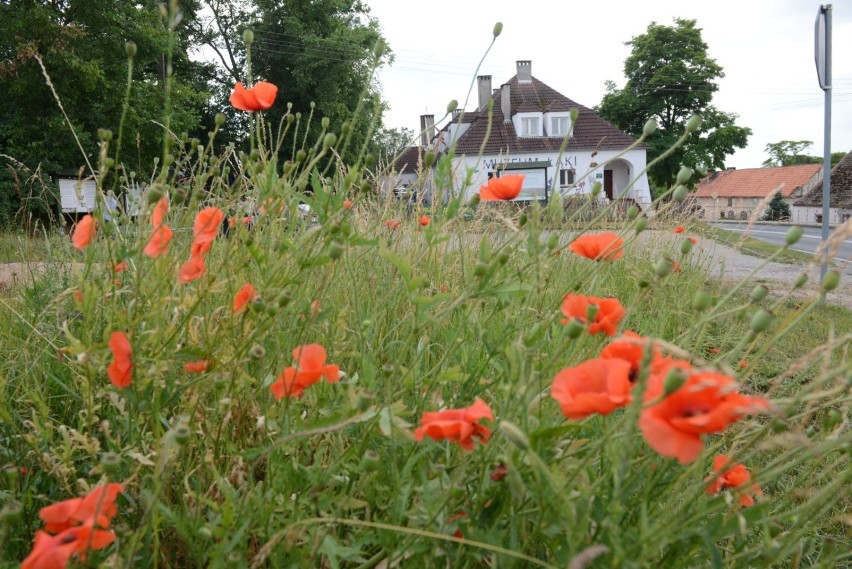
[(588, 170), (814, 215)]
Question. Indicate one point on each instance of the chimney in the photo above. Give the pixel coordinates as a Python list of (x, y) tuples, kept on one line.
[(524, 70), (731, 168), (456, 114), (427, 129), (506, 103), (484, 83)]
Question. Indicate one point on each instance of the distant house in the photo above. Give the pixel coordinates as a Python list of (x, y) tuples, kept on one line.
[(734, 194), (528, 125), (809, 208)]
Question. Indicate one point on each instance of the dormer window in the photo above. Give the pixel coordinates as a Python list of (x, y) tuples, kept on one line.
[(559, 126), (529, 126)]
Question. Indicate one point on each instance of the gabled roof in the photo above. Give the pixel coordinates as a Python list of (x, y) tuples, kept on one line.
[(756, 182), (840, 191), (590, 131), (409, 160)]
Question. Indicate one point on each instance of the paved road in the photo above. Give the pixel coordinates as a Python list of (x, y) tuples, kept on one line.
[(774, 234)]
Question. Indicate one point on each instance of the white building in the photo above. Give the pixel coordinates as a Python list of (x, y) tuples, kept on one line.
[(809, 208), (528, 125)]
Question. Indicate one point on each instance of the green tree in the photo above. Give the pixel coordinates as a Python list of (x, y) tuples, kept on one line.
[(388, 142), (777, 209), (789, 153), (320, 54), (670, 77), (82, 45)]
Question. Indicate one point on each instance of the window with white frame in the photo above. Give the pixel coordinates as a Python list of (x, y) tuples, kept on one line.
[(529, 126), (566, 178), (559, 126)]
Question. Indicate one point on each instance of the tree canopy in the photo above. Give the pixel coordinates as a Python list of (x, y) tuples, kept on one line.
[(791, 153), (670, 77)]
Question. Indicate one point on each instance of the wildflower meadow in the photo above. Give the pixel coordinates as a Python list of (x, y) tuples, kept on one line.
[(235, 379)]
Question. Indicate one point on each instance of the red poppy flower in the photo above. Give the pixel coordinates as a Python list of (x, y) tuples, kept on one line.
[(392, 224), (158, 243), (610, 312), (258, 98), (309, 369), (595, 386), (120, 371), (630, 347), (196, 367), (606, 246), (347, 204), (707, 402), (679, 229), (158, 215), (84, 232), (714, 350), (244, 296), (98, 506), (120, 267), (204, 230), (456, 425), (192, 269), (424, 221), (55, 551), (693, 240), (733, 476), (504, 188)]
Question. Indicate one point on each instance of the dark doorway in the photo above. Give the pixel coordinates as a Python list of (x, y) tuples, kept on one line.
[(608, 183)]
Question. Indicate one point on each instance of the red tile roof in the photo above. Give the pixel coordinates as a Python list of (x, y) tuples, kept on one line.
[(590, 131), (756, 182)]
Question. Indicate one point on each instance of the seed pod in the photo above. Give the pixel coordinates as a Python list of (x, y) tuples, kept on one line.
[(632, 213), (679, 194), (759, 292), (674, 380), (301, 155), (428, 159), (761, 320), (130, 49), (325, 120), (452, 105), (663, 267), (574, 328), (552, 241), (793, 235), (248, 36), (104, 134), (514, 434), (498, 29), (831, 280), (110, 462), (684, 174), (685, 246), (592, 312), (329, 141), (220, 119), (693, 123), (641, 224), (801, 280), (649, 128), (335, 250), (181, 434), (257, 352)]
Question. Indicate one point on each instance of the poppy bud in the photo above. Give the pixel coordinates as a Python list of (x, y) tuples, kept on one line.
[(641, 224), (596, 189), (181, 434), (379, 49), (290, 118), (11, 512), (674, 380), (329, 141), (574, 328), (831, 280), (679, 194), (257, 351), (248, 37), (220, 119), (592, 312), (498, 29), (370, 461), (552, 241), (761, 320), (110, 462), (388, 369), (301, 155), (130, 49), (632, 213), (205, 532), (663, 267), (452, 105), (573, 113), (684, 174), (369, 160), (104, 134), (428, 159), (168, 160), (335, 250), (693, 123), (325, 121), (514, 434), (364, 400), (793, 235), (759, 292), (685, 246), (523, 219), (345, 128), (649, 128)]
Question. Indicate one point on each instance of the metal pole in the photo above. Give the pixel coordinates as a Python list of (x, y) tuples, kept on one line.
[(826, 165)]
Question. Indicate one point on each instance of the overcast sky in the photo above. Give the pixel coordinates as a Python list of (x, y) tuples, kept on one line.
[(766, 48)]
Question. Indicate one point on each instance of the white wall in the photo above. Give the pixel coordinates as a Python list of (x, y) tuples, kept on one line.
[(624, 170), (809, 215)]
